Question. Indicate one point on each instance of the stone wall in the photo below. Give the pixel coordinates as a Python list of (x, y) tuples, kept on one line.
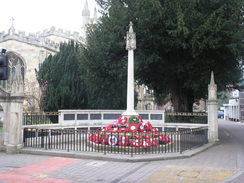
[(32, 56), (33, 49), (48, 39)]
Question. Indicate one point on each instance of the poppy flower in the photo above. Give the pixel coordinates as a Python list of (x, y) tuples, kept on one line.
[(135, 143), (141, 127), (123, 141), (104, 141), (122, 120), (154, 143), (95, 138), (145, 144), (164, 139), (132, 127), (148, 126)]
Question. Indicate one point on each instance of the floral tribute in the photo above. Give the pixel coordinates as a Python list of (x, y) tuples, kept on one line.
[(130, 132)]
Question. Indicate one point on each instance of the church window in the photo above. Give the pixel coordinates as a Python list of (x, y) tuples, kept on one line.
[(13, 61)]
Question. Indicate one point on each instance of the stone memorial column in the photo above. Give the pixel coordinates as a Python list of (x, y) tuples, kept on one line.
[(212, 105)]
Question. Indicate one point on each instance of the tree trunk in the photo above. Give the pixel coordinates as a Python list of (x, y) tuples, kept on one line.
[(182, 101)]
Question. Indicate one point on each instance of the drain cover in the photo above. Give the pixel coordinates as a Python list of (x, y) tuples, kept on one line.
[(192, 174)]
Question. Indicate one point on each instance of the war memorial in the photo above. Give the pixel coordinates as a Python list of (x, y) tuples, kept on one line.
[(130, 132)]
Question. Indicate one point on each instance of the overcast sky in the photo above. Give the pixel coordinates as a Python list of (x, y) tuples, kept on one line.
[(37, 15)]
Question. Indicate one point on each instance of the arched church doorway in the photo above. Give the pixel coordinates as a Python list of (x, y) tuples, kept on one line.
[(14, 59)]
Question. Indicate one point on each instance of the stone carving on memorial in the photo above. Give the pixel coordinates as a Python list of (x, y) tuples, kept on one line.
[(212, 89), (131, 38), (130, 46)]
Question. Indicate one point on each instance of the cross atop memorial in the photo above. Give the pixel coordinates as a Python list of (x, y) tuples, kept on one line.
[(131, 38)]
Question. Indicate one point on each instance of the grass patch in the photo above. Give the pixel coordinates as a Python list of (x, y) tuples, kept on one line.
[(1, 129)]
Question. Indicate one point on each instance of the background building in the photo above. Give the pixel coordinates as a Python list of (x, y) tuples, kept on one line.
[(234, 110), (32, 49)]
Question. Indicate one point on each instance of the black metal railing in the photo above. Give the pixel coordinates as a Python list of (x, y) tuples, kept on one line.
[(40, 118), (115, 142), (193, 138), (1, 127), (185, 117)]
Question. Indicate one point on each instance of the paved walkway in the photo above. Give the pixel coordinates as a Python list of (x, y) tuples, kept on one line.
[(223, 162)]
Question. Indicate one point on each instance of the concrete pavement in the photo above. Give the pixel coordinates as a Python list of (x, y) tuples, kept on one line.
[(223, 162)]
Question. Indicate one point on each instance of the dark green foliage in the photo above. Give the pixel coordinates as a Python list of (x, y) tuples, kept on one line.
[(179, 43), (105, 61), (193, 118), (60, 80), (223, 97)]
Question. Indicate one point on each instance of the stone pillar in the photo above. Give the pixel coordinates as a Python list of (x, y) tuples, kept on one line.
[(212, 111), (14, 124), (130, 46), (13, 113)]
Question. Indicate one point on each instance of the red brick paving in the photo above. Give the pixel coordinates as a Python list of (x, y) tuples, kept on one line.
[(33, 173)]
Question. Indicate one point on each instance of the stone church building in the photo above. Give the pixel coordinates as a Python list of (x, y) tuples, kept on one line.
[(31, 50)]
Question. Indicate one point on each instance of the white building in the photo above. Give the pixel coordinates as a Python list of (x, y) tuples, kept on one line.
[(232, 109)]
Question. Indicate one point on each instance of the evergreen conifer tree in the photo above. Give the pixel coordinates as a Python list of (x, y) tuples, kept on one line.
[(60, 80)]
